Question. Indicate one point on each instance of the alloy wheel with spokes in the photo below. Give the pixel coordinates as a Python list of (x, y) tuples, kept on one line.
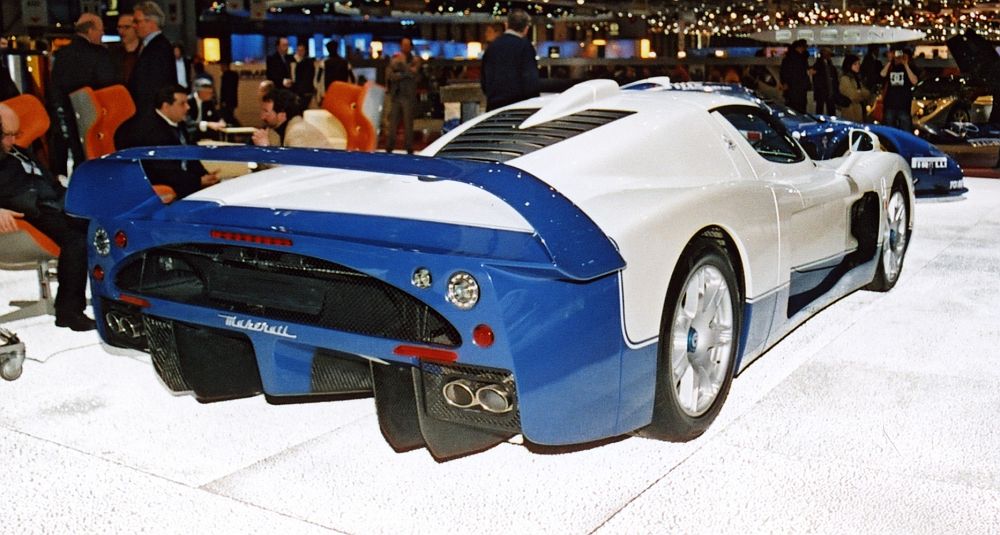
[(895, 236), (698, 342), (701, 340)]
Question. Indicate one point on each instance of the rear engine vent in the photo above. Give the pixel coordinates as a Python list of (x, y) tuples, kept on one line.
[(498, 138), (284, 286)]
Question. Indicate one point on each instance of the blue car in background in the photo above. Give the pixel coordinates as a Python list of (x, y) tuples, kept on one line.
[(824, 137)]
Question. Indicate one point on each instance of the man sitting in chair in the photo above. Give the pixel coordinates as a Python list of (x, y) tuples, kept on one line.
[(164, 125), (281, 113), (28, 190)]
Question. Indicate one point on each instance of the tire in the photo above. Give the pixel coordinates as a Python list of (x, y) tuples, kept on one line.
[(698, 344), (959, 114), (10, 369), (895, 241)]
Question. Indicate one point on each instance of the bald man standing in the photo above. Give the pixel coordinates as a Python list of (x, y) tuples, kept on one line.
[(83, 62)]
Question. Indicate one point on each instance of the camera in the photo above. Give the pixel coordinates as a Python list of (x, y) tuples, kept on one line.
[(897, 53)]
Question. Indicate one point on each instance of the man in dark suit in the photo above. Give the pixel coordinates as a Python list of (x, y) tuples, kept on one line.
[(29, 191), (279, 65), (202, 117), (510, 70), (163, 124), (305, 74), (335, 68), (155, 67), (8, 88), (229, 93), (84, 62)]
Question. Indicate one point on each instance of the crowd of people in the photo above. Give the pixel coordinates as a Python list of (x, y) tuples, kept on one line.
[(852, 91)]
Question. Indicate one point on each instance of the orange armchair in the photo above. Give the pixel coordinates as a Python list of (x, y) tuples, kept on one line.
[(28, 248), (34, 118), (349, 103), (98, 115)]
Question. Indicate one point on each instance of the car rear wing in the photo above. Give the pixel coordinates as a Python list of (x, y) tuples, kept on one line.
[(116, 184)]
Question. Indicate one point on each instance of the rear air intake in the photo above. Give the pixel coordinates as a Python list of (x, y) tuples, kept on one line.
[(499, 139)]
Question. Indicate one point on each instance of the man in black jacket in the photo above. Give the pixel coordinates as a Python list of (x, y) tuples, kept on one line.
[(279, 65), (164, 125), (335, 67), (795, 74), (84, 62), (155, 67), (510, 70), (28, 190), (305, 74), (8, 88), (202, 117)]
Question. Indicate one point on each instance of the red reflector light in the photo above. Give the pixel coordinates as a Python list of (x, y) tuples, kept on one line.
[(426, 353), (133, 300), (98, 273), (121, 240), (250, 238), (482, 335)]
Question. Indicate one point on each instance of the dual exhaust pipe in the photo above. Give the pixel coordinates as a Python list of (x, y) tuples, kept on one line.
[(463, 394)]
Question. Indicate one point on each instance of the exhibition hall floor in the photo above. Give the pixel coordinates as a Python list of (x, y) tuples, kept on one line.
[(879, 415)]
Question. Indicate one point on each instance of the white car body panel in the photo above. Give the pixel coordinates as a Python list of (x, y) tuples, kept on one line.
[(676, 169)]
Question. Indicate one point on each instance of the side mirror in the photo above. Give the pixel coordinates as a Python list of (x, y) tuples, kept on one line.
[(863, 141)]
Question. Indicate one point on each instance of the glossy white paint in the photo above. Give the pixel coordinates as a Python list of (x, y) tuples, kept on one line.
[(652, 181)]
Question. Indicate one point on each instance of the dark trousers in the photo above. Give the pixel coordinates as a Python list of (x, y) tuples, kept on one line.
[(900, 119), (402, 108), (796, 100), (825, 105), (65, 140), (71, 236)]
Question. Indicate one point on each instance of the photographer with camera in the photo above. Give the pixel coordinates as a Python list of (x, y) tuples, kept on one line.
[(900, 77)]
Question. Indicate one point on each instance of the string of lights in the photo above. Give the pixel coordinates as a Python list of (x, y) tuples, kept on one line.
[(938, 19)]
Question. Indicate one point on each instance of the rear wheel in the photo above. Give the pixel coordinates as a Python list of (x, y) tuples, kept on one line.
[(698, 344), (959, 114), (895, 240)]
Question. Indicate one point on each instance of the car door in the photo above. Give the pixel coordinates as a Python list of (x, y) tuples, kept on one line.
[(812, 201)]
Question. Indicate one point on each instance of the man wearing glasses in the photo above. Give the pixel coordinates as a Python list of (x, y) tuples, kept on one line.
[(126, 53), (28, 190)]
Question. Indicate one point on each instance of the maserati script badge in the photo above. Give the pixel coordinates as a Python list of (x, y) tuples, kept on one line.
[(257, 326)]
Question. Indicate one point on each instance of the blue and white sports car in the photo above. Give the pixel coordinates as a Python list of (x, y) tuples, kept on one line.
[(934, 172), (568, 268)]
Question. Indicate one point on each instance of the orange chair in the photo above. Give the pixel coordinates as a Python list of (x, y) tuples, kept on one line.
[(34, 119), (28, 248), (98, 115), (347, 102)]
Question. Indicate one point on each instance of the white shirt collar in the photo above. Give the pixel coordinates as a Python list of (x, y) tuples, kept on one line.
[(165, 118), (149, 38)]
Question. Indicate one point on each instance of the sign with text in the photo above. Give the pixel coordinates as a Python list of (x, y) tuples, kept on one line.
[(839, 35)]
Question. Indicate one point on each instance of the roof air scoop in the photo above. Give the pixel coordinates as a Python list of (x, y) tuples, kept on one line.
[(574, 99), (649, 83)]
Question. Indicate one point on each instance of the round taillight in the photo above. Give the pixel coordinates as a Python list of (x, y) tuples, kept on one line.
[(101, 242), (483, 335), (463, 290), (98, 273), (121, 240)]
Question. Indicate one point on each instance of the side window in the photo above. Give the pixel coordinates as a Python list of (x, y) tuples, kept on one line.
[(771, 143)]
